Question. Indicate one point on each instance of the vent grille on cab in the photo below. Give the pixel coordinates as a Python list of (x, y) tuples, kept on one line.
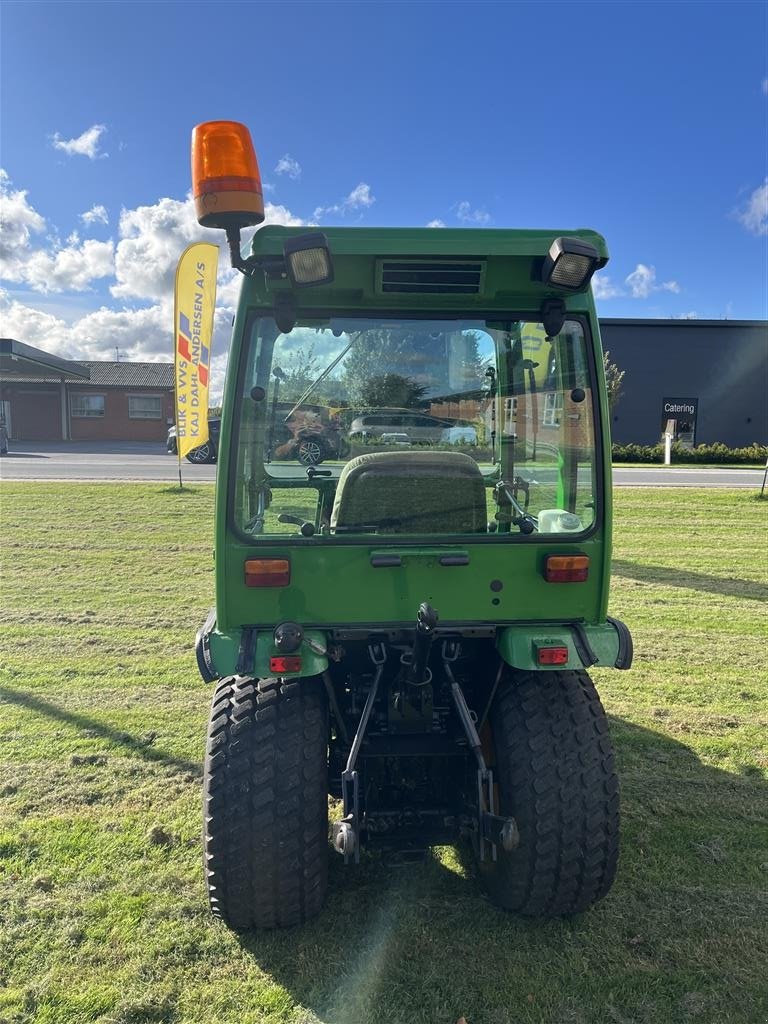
[(424, 277)]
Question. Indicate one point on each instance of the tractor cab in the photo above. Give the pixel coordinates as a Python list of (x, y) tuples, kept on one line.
[(413, 534), (432, 425)]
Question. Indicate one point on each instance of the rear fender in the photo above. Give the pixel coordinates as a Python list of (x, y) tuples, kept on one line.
[(247, 651), (606, 645)]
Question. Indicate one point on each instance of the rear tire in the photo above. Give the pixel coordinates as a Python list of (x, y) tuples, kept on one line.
[(265, 802), (556, 777)]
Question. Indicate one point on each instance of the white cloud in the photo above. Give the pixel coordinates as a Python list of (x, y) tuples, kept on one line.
[(359, 198), (35, 327), (86, 144), (765, 87), (153, 237), (96, 215), (604, 288), (754, 215), (642, 282), (467, 215), (436, 223), (18, 222), (276, 214), (692, 315), (72, 268), (287, 165)]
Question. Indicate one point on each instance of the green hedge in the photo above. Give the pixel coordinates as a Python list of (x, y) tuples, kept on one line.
[(716, 452)]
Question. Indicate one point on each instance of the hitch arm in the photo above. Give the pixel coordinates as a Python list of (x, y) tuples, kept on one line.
[(490, 827), (346, 833)]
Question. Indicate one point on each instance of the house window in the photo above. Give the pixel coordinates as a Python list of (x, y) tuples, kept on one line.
[(145, 407), (553, 408), (87, 405)]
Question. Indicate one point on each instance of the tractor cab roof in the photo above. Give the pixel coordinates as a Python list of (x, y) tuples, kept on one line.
[(435, 268)]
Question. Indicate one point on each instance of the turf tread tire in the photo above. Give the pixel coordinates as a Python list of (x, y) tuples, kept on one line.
[(265, 802), (556, 776)]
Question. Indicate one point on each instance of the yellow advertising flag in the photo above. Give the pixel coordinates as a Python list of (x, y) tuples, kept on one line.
[(534, 342), (194, 305)]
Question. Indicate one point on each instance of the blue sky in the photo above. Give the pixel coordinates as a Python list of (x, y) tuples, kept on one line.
[(644, 121)]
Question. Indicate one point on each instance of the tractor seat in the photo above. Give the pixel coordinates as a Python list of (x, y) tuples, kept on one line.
[(410, 492)]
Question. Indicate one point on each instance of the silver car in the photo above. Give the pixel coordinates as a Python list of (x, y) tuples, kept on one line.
[(418, 427)]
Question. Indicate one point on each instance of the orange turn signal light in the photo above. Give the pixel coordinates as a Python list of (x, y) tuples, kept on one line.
[(267, 572), (226, 183), (282, 664), (566, 568)]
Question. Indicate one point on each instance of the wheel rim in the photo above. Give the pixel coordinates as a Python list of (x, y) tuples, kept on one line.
[(310, 453), (201, 454)]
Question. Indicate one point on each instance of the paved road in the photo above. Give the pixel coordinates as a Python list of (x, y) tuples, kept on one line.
[(125, 461), (118, 460)]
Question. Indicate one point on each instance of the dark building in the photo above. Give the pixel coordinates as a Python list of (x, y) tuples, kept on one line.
[(708, 376), (44, 398)]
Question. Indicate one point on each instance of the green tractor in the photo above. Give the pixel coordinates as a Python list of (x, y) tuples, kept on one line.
[(407, 626)]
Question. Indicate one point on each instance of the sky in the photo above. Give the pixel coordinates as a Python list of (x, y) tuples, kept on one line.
[(645, 121)]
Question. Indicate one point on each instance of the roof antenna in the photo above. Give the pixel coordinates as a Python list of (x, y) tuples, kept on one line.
[(117, 354)]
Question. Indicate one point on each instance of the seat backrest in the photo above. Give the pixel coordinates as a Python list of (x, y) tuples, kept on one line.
[(410, 492)]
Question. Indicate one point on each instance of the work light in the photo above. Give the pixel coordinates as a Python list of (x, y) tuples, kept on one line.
[(570, 263), (308, 260)]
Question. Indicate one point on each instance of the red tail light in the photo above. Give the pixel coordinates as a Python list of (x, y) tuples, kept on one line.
[(284, 663), (566, 568), (552, 655), (267, 572)]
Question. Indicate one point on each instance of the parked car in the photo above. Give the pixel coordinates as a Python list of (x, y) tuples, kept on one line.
[(311, 437), (310, 441), (459, 435), (207, 452), (418, 427)]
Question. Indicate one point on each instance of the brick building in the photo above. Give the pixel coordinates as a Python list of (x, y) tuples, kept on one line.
[(44, 398)]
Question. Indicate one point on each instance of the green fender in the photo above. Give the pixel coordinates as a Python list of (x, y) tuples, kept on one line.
[(246, 652), (607, 645)]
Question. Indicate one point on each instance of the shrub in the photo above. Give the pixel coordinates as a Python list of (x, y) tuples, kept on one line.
[(716, 452)]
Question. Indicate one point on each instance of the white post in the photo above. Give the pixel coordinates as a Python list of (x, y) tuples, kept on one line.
[(64, 410), (667, 449)]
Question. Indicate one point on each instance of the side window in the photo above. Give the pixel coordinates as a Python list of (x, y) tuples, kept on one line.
[(86, 406), (145, 407), (553, 408)]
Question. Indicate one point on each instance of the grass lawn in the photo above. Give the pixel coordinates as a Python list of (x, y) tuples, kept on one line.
[(103, 915)]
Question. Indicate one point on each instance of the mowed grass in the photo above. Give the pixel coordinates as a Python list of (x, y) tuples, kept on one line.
[(102, 715)]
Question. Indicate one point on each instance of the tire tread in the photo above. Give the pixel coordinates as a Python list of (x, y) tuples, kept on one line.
[(265, 802), (557, 777)]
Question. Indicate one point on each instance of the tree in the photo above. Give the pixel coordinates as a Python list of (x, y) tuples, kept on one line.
[(391, 390), (467, 366), (614, 378), (300, 369), (377, 353)]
